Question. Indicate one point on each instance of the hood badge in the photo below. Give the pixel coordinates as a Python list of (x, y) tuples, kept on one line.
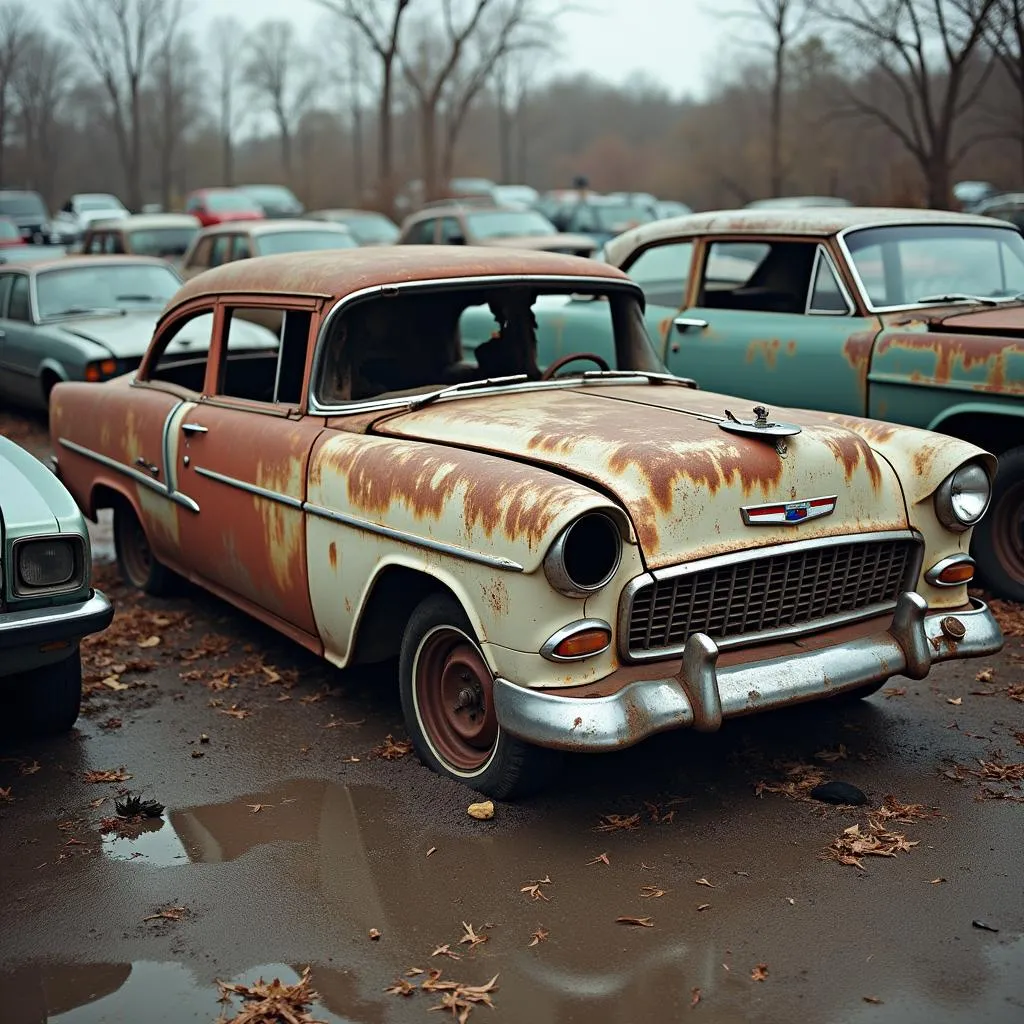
[(761, 427), (788, 513)]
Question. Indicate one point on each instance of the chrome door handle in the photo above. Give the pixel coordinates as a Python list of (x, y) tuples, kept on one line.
[(683, 323), (195, 428), (145, 464)]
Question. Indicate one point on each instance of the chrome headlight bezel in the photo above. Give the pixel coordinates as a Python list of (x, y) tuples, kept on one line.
[(559, 562), (75, 581), (969, 479)]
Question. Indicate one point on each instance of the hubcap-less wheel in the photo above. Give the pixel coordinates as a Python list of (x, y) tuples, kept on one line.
[(1008, 530), (453, 695), (136, 557)]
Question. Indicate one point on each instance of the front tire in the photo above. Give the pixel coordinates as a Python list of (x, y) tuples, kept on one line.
[(447, 700), (50, 698), (135, 560), (998, 541)]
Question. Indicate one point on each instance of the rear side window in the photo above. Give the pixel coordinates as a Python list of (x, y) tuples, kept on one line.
[(18, 304), (422, 233), (184, 353)]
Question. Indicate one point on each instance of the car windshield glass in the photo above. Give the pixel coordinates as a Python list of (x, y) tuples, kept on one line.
[(508, 224), (616, 217), (914, 265), (162, 241), (272, 243), (371, 228), (22, 206), (276, 194), (9, 230), (230, 202), (90, 203), (99, 287), (424, 340)]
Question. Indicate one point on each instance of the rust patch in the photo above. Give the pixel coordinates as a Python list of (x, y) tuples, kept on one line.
[(967, 351), (851, 450), (332, 555), (767, 350), (857, 352), (791, 348), (873, 431), (496, 596)]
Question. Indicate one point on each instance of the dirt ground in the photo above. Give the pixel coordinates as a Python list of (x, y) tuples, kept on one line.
[(293, 831)]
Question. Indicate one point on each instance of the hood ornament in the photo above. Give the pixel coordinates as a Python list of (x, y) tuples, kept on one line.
[(761, 427)]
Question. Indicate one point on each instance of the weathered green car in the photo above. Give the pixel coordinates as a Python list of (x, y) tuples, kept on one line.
[(910, 316), (46, 602)]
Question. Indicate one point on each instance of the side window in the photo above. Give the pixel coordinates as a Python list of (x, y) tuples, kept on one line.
[(827, 296), (767, 277), (265, 356), (220, 250), (6, 280), (18, 304), (201, 256), (184, 352), (240, 248), (662, 272), (422, 233), (452, 232)]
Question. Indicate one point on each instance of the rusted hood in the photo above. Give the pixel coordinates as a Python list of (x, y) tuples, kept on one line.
[(681, 478), (1007, 318)]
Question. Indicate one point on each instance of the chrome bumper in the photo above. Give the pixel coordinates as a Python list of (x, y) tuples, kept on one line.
[(55, 622), (701, 695)]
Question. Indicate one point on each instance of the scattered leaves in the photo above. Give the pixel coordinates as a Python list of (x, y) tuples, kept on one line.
[(704, 881), (235, 711), (482, 811), (168, 914), (5, 795), (831, 756), (392, 749), (873, 840), (798, 781), (534, 888), (400, 987), (618, 823), (651, 892), (955, 700), (894, 691), (601, 858), (639, 922), (107, 775), (471, 938), (539, 936), (30, 769), (273, 1002), (446, 950), (149, 641), (111, 723), (759, 973)]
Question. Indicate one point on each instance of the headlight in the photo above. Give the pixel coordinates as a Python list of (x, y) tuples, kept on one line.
[(963, 497), (48, 564), (585, 555)]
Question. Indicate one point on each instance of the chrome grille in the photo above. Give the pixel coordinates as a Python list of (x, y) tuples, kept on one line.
[(793, 586)]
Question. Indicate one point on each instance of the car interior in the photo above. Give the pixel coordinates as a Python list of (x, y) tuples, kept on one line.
[(778, 279)]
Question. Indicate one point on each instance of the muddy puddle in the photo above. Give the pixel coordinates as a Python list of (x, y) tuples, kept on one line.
[(302, 872)]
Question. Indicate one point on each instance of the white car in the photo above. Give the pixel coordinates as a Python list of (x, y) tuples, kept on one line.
[(75, 216)]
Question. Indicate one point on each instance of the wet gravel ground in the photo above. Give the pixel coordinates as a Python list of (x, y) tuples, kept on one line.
[(287, 836)]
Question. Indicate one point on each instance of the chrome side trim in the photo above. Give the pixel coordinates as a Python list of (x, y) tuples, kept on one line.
[(700, 693), (809, 310), (410, 538), (242, 485), (933, 574), (134, 474), (783, 633), (548, 650)]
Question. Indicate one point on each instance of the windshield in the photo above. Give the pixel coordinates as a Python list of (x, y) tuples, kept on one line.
[(9, 230), (275, 195), (89, 203), (162, 241), (271, 244), (22, 206), (369, 229), (230, 202), (613, 217), (103, 287), (911, 265), (508, 223)]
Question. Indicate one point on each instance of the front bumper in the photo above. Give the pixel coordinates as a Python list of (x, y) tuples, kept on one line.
[(701, 694), (55, 623)]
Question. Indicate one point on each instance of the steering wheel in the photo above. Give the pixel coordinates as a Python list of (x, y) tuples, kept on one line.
[(571, 358)]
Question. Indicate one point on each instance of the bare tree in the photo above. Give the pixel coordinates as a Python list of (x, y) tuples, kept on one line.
[(41, 85), (1006, 37), (226, 35), (924, 55), (278, 71), (784, 21), (15, 28), (381, 31), (119, 39)]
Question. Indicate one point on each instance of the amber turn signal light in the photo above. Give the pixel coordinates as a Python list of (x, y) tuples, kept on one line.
[(101, 370), (579, 645), (954, 575)]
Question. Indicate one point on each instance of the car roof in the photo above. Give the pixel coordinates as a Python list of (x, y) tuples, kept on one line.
[(145, 220), (70, 262), (273, 227), (342, 211), (818, 221), (340, 272)]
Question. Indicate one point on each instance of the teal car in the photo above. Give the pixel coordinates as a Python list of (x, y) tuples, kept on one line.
[(907, 316), (46, 602)]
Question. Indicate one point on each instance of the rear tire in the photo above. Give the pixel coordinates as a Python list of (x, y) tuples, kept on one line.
[(449, 712), (49, 698), (998, 541), (135, 560)]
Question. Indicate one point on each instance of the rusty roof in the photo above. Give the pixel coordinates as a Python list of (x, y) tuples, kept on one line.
[(817, 221), (334, 273), (70, 262)]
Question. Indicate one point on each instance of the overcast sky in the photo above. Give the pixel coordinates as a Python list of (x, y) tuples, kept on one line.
[(675, 41)]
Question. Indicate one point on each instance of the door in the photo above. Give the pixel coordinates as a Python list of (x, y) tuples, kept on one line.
[(243, 455), (20, 345), (772, 321)]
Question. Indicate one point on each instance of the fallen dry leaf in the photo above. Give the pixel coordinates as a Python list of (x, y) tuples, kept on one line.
[(392, 749), (831, 756), (799, 780), (534, 888), (955, 700), (235, 711), (115, 684), (652, 892), (539, 936), (874, 840), (986, 675), (874, 1000), (482, 811), (107, 775), (149, 641), (702, 907), (894, 691), (374, 934), (446, 950), (695, 994), (256, 808), (400, 987), (167, 914), (936, 881), (432, 850), (601, 858), (5, 795), (271, 1002), (704, 881), (459, 997), (640, 922), (906, 814), (759, 973), (618, 823), (30, 769), (471, 938)]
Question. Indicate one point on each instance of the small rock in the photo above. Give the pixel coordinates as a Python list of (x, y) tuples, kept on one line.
[(839, 793), (374, 934), (482, 811)]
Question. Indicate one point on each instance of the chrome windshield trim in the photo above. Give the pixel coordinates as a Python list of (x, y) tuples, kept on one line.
[(567, 282), (494, 561), (636, 584), (242, 485), (140, 478)]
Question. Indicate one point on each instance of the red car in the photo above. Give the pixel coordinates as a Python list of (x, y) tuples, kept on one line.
[(219, 205), (9, 233)]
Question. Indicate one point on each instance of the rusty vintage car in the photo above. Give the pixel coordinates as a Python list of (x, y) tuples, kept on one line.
[(566, 560)]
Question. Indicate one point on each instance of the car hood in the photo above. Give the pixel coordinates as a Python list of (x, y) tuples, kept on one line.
[(124, 337), (1006, 318), (545, 243), (29, 493), (681, 478)]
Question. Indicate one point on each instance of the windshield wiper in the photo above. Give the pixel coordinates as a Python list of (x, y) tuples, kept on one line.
[(959, 297), (83, 310), (138, 298), (469, 385)]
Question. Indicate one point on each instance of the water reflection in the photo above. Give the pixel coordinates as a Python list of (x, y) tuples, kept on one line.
[(151, 842)]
